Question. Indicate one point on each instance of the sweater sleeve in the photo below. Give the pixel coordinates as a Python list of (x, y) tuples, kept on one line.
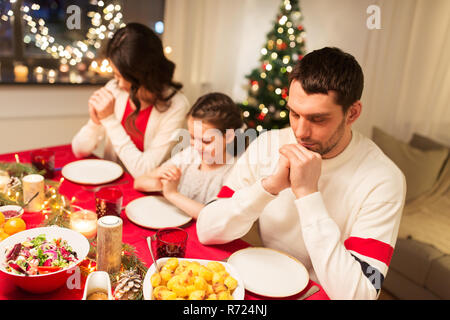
[(87, 139), (355, 268), (238, 204), (137, 162)]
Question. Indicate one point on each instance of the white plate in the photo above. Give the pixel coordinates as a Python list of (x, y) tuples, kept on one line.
[(155, 212), (92, 171), (269, 273), (238, 293)]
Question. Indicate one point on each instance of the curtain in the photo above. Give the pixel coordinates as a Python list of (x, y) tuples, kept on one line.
[(407, 70)]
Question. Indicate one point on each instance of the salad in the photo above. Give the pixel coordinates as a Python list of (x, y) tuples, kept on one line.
[(38, 256)]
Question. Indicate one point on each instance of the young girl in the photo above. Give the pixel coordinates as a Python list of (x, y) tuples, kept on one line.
[(140, 109), (194, 176)]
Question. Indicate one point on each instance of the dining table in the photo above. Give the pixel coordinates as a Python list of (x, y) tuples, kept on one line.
[(132, 234)]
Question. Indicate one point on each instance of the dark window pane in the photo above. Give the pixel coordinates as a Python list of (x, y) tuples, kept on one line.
[(6, 29)]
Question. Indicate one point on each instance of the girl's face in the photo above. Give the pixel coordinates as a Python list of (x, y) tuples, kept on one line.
[(208, 141)]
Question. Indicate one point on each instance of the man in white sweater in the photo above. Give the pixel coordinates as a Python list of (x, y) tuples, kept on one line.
[(322, 192)]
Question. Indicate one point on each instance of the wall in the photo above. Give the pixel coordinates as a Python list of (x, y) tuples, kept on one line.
[(40, 116)]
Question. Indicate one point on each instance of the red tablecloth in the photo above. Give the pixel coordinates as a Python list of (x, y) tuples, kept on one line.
[(132, 234)]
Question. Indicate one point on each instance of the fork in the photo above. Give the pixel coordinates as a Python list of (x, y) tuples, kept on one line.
[(95, 189)]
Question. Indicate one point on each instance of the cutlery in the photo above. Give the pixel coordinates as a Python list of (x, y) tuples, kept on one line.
[(309, 293), (95, 189), (149, 243)]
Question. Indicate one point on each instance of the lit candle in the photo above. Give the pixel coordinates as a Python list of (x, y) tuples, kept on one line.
[(39, 74), (109, 244), (85, 222), (21, 73), (51, 76), (33, 183)]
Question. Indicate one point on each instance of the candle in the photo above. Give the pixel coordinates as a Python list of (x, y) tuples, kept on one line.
[(21, 73), (31, 184), (85, 222), (109, 244), (51, 76), (39, 74)]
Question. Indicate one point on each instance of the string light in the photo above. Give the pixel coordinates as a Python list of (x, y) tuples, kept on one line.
[(42, 38)]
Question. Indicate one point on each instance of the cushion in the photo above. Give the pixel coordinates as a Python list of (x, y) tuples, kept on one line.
[(439, 277), (420, 167), (413, 259), (424, 143)]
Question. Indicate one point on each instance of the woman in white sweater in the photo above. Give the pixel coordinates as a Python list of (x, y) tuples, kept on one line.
[(138, 113)]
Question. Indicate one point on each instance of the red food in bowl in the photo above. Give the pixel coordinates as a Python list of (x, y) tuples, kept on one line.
[(54, 279), (11, 211), (10, 214)]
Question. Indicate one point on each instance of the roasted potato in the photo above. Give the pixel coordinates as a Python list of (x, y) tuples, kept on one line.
[(197, 295), (155, 280), (182, 279), (215, 266), (231, 283), (224, 295)]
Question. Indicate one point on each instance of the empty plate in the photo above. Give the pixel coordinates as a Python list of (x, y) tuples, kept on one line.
[(155, 212), (269, 273), (92, 171)]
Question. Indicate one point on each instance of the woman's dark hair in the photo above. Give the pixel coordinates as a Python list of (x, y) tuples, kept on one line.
[(330, 69), (219, 110), (137, 52)]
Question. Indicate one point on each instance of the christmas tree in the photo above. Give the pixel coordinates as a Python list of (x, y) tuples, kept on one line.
[(265, 107)]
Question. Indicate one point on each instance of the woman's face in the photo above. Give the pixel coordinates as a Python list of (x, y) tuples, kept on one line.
[(207, 140), (142, 94), (122, 83)]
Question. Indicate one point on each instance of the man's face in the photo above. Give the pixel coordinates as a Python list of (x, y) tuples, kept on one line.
[(318, 123)]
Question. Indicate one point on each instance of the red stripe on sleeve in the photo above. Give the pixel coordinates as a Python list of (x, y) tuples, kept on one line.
[(370, 248), (225, 192)]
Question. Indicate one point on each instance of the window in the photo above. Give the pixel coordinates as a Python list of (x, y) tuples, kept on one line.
[(61, 41)]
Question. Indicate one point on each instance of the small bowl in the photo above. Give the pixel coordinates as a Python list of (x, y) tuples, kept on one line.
[(97, 281), (8, 211)]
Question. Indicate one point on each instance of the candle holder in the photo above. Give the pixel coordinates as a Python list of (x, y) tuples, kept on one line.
[(84, 222), (109, 244), (44, 160), (108, 202), (32, 184), (170, 242)]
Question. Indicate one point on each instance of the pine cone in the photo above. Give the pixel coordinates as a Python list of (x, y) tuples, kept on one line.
[(129, 286)]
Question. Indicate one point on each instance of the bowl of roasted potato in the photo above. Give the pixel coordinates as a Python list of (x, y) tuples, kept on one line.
[(192, 279)]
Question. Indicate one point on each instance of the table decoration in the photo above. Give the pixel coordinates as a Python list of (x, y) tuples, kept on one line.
[(32, 184), (108, 201), (85, 222), (109, 243), (44, 160), (20, 73), (129, 262)]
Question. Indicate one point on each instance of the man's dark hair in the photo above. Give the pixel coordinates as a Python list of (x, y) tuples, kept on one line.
[(329, 69)]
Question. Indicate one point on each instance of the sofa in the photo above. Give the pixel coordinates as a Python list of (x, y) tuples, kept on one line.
[(420, 265)]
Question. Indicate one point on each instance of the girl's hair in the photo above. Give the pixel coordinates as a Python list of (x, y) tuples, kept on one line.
[(219, 110), (138, 54)]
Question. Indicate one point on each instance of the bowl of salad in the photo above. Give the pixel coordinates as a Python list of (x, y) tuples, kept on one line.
[(41, 260)]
